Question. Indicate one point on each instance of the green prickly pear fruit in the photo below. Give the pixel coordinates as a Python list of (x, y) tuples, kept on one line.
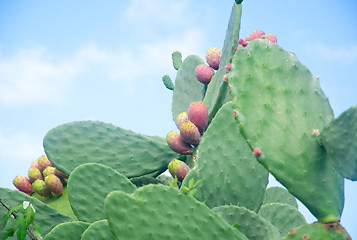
[(254, 35), (181, 119), (204, 73), (271, 37), (41, 189), (54, 184), (198, 114), (44, 162), (23, 184), (48, 171), (177, 144), (190, 133), (213, 57), (178, 169), (34, 174)]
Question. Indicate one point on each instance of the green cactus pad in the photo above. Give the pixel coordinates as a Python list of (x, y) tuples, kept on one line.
[(88, 186), (72, 144), (162, 212), (248, 222), (69, 230), (283, 216), (279, 195), (98, 231), (176, 59), (165, 179), (187, 88), (168, 82), (328, 231), (216, 94), (144, 180), (45, 216), (60, 203), (340, 141), (228, 172), (279, 104)]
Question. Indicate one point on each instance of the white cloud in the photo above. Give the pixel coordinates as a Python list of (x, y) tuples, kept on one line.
[(344, 54)]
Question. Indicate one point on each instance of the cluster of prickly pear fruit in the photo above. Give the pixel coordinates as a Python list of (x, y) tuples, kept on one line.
[(248, 119), (43, 179)]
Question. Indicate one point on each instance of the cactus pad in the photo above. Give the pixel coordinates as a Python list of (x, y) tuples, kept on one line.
[(88, 186), (228, 171), (72, 144), (69, 230), (187, 88), (340, 141), (248, 222), (273, 93), (279, 195), (283, 216), (98, 231), (162, 212)]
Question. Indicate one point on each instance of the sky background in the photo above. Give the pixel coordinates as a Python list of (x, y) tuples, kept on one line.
[(63, 61)]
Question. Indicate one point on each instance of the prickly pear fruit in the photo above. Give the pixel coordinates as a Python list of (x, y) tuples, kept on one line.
[(36, 165), (54, 184), (270, 37), (181, 119), (213, 57), (44, 162), (178, 169), (190, 133), (34, 174), (198, 114), (23, 184), (41, 189), (204, 73), (48, 171), (176, 143), (254, 35)]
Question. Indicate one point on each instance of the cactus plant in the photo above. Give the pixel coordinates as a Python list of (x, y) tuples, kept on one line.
[(262, 111)]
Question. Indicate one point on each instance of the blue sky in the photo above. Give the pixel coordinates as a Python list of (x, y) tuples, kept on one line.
[(63, 61)]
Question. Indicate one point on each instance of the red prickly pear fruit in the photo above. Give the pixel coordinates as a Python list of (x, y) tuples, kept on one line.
[(204, 73), (54, 184), (34, 174), (198, 114), (178, 169), (271, 37), (23, 184), (213, 57), (244, 43), (254, 35), (240, 41), (181, 119), (177, 144), (41, 189), (44, 162), (228, 66), (190, 133)]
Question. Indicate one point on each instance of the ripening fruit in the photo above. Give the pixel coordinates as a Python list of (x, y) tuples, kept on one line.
[(23, 184), (176, 143), (190, 133), (213, 57), (204, 73), (198, 114), (178, 169)]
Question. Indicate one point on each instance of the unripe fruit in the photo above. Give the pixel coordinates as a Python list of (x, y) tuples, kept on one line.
[(23, 184), (54, 184), (36, 165), (213, 57), (190, 133), (204, 73), (181, 119), (176, 143), (41, 189), (178, 169), (198, 114), (34, 174)]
